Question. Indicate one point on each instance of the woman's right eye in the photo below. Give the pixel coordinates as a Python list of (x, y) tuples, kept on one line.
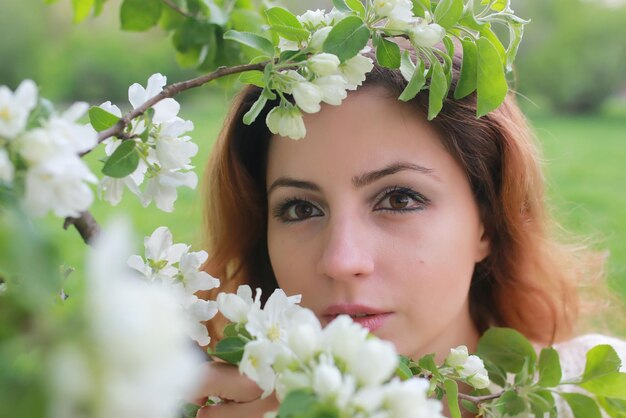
[(297, 210)]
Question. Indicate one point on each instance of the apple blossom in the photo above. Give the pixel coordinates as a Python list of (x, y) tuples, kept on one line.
[(333, 88), (286, 121), (164, 110), (312, 19), (427, 35), (15, 108), (323, 64), (355, 69)]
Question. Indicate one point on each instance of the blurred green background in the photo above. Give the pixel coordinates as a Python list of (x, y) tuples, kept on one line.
[(570, 75)]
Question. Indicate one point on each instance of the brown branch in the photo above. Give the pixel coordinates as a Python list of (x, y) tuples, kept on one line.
[(170, 91), (86, 226), (479, 399), (175, 7)]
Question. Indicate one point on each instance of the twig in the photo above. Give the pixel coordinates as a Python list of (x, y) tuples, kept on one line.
[(172, 90), (175, 7), (479, 399), (86, 225)]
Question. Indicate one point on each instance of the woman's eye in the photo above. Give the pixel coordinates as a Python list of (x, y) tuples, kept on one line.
[(297, 211), (401, 200)]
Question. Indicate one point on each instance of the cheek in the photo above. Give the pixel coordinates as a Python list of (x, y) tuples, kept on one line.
[(291, 260)]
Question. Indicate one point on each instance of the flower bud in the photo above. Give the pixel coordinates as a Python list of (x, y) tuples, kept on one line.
[(427, 35), (318, 38), (308, 96), (312, 19), (286, 122), (324, 64), (457, 357), (479, 380), (326, 380)]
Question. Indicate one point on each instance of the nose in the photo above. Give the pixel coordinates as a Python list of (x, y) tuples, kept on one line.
[(347, 251)]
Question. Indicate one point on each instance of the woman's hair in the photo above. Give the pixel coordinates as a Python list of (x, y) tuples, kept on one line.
[(529, 281)]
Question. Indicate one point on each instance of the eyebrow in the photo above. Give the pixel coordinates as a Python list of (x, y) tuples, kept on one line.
[(358, 181)]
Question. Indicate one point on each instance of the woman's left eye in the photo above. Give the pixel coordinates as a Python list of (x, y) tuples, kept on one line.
[(401, 199)]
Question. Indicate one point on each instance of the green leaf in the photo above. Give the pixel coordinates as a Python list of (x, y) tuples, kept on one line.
[(496, 374), (491, 85), (448, 12), (297, 403), (342, 6), (549, 368), (500, 5), (403, 371), (252, 40), (286, 24), (82, 8), (469, 406), (582, 406), (357, 6), (254, 111), (452, 394), (427, 362), (611, 385), (493, 38), (437, 91), (253, 77), (123, 161), (246, 21), (347, 38), (418, 80), (516, 32), (387, 53), (615, 407), (230, 330), (420, 7), (230, 349), (469, 70), (407, 68), (601, 360), (512, 404), (100, 119), (506, 348), (542, 402), (140, 15)]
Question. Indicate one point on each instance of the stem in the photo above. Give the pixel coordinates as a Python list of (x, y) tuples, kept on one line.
[(170, 91), (479, 399), (86, 226), (175, 7)]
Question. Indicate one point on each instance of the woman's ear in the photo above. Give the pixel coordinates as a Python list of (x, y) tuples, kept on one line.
[(483, 247)]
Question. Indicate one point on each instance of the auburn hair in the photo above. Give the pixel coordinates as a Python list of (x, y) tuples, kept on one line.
[(529, 281)]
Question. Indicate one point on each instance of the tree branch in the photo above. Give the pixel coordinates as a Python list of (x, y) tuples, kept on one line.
[(86, 226), (170, 91), (479, 399)]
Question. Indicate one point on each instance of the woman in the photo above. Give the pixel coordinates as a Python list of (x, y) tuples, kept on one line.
[(425, 232)]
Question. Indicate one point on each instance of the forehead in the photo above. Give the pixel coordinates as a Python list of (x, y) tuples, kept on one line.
[(368, 131)]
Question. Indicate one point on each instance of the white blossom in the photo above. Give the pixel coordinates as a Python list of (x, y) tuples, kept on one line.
[(355, 69), (327, 380), (138, 362), (343, 337), (16, 107), (307, 96), (256, 363), (272, 321), (235, 307), (473, 370), (401, 10), (333, 88), (173, 150), (311, 19), (334, 16), (323, 64), (374, 362), (287, 45), (6, 167), (161, 256), (457, 357), (407, 399), (164, 110), (58, 185), (161, 188), (427, 35), (286, 121), (319, 36), (290, 380), (111, 189)]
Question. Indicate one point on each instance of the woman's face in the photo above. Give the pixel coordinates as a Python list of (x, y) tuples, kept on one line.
[(370, 216)]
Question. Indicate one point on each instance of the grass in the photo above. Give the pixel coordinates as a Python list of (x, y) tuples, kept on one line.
[(584, 166)]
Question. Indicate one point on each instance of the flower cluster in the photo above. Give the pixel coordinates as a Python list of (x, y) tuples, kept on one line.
[(341, 366), (321, 78), (174, 265), (39, 153), (134, 358), (164, 150), (470, 368)]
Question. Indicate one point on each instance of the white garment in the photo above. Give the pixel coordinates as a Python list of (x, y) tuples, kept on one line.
[(572, 354)]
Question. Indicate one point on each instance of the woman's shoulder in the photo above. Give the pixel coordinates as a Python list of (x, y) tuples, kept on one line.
[(573, 352)]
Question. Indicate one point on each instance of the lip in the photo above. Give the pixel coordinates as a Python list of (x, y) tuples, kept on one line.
[(374, 319)]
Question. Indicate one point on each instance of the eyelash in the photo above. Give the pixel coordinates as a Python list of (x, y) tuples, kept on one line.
[(422, 202)]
